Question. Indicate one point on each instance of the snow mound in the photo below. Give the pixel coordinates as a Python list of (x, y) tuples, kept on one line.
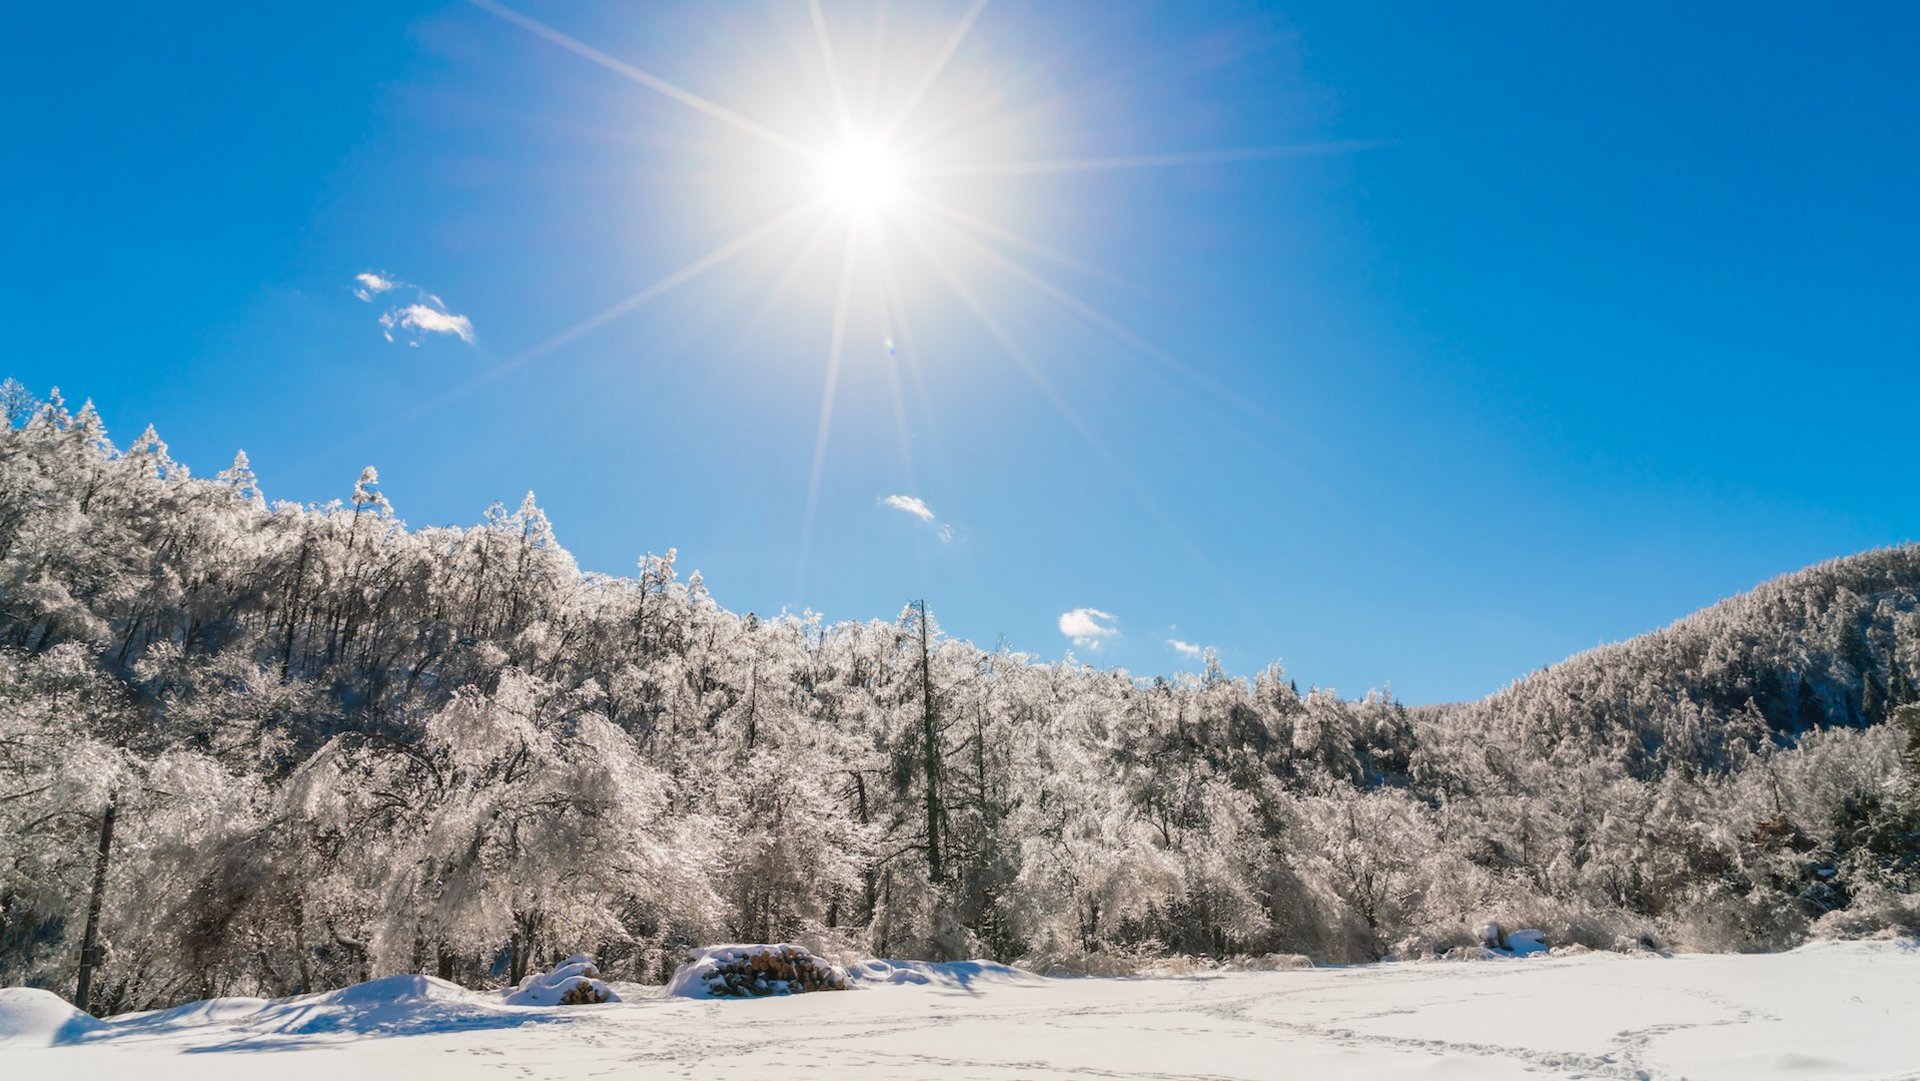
[(390, 1006), (1526, 943), (393, 1006), (30, 1017), (932, 973), (202, 1014), (752, 970), (574, 982), (1497, 941)]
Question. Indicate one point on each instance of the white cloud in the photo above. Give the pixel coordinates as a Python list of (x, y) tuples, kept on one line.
[(371, 282), (917, 507), (1187, 649), (912, 505), (425, 320), (1088, 627), (428, 314)]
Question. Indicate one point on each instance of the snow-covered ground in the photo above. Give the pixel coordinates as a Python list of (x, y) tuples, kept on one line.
[(1833, 1010)]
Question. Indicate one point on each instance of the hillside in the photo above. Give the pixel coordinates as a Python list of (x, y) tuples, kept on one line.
[(1833, 645), (331, 748)]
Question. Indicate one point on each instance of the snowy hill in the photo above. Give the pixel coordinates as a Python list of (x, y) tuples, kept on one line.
[(1830, 645)]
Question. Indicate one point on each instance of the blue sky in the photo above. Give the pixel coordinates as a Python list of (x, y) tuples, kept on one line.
[(1449, 342)]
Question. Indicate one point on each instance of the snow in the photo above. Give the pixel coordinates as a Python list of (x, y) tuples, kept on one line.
[(34, 1018), (1526, 943), (1831, 1010), (958, 974), (548, 988)]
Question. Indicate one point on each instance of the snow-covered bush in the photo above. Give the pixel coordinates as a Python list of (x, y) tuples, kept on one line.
[(1272, 962), (1876, 912)]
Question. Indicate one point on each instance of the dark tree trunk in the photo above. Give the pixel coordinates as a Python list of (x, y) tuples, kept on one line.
[(300, 947), (90, 939), (929, 749)]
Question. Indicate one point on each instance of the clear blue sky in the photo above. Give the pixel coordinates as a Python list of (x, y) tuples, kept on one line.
[(1520, 329)]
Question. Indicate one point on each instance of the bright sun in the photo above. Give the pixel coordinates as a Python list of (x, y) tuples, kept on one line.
[(882, 165), (860, 175)]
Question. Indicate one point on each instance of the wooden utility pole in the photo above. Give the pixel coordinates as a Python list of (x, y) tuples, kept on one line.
[(90, 953), (929, 747)]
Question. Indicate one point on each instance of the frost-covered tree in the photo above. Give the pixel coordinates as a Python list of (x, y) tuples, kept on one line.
[(338, 747)]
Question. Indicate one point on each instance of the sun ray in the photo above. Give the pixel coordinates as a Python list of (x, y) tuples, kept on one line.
[(644, 78), (1153, 161), (781, 287), (950, 125), (1119, 332), (825, 427), (908, 352), (912, 100), (874, 51), (1187, 375), (652, 292), (1000, 338), (883, 272), (663, 285), (1086, 434), (1011, 239), (841, 110)]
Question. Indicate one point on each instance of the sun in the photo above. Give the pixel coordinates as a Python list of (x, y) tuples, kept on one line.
[(906, 164), (860, 175)]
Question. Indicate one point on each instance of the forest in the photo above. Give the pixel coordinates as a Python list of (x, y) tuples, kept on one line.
[(257, 748)]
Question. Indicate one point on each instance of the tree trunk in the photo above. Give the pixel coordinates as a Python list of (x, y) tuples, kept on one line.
[(929, 749), (90, 939), (300, 947), (870, 875), (522, 942)]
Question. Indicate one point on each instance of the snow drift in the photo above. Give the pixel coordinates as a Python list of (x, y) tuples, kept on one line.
[(30, 1017), (936, 973)]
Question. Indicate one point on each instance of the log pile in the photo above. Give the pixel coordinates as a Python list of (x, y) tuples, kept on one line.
[(757, 971), (573, 982)]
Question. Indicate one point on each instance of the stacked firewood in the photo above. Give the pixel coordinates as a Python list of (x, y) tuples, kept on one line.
[(756, 971), (584, 993), (573, 982)]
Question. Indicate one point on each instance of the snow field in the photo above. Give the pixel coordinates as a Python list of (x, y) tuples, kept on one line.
[(1831, 1010)]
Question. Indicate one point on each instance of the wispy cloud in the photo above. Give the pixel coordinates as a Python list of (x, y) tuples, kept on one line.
[(371, 284), (427, 315), (1088, 627), (426, 320), (914, 505), (1187, 649)]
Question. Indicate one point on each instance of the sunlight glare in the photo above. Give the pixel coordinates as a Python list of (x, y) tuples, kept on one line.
[(860, 175)]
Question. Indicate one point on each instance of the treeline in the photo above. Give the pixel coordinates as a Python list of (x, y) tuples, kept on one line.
[(329, 748)]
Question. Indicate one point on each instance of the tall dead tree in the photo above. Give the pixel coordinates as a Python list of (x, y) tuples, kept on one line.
[(929, 746), (90, 952)]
